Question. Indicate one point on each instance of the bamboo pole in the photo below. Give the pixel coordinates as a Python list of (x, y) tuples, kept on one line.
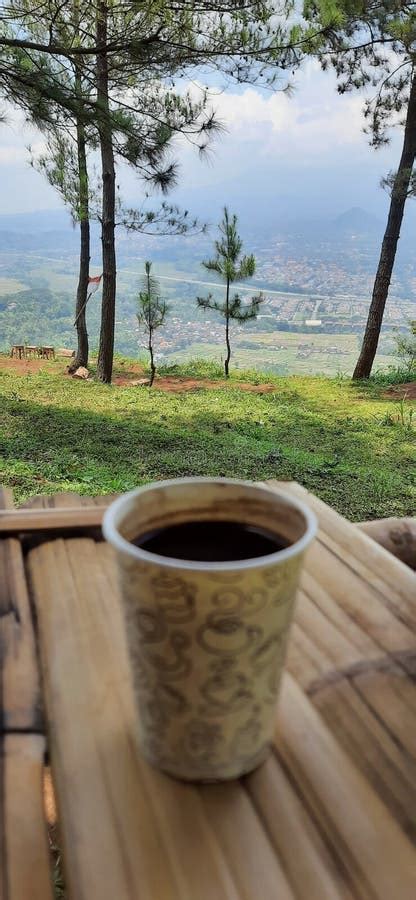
[(36, 520), (24, 856)]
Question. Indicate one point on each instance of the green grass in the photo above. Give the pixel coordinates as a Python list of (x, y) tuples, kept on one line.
[(393, 375), (342, 441)]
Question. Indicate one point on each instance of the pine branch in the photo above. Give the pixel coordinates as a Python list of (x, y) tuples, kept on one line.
[(242, 313), (167, 219), (209, 303)]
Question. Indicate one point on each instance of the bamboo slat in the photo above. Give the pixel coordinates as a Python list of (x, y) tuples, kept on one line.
[(19, 674), (227, 808), (24, 857), (24, 864), (333, 644), (313, 869), (378, 856), (392, 696), (393, 580), (334, 613), (50, 520), (353, 653), (366, 605), (373, 748)]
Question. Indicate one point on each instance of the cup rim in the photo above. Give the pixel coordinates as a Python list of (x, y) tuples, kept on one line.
[(114, 512)]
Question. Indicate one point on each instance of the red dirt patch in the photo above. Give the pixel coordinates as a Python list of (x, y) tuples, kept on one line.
[(22, 366), (401, 391), (173, 384)]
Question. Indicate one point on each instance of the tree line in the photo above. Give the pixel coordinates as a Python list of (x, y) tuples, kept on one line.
[(105, 77)]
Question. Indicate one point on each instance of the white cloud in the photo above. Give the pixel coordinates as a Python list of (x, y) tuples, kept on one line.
[(13, 154), (15, 138), (309, 132), (312, 121)]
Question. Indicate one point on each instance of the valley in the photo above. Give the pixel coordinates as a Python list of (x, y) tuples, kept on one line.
[(316, 286)]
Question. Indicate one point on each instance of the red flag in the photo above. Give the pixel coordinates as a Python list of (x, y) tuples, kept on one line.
[(94, 284)]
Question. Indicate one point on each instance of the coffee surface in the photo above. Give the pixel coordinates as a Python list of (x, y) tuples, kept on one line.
[(211, 541)]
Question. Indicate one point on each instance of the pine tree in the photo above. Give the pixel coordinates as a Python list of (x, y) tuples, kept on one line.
[(373, 45), (230, 265), (57, 105), (153, 310), (64, 164)]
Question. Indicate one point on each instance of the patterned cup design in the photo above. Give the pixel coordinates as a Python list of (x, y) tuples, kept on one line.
[(207, 641)]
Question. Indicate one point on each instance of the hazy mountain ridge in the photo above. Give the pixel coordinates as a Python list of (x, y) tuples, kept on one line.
[(46, 228), (357, 221), (59, 222)]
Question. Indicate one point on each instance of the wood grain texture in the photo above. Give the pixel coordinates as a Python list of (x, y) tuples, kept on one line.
[(330, 816), (24, 856)]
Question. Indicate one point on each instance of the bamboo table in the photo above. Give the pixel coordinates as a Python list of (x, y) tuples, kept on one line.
[(330, 816)]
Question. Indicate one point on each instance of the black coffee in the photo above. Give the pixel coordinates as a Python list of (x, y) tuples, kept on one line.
[(211, 541)]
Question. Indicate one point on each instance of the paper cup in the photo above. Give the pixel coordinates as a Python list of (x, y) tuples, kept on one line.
[(207, 640)]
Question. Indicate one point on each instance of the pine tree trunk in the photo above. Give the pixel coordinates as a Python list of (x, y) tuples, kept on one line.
[(81, 356), (390, 241), (227, 330), (152, 361), (106, 347)]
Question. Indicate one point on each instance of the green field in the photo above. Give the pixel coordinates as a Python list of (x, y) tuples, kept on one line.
[(282, 352), (345, 443), (10, 286)]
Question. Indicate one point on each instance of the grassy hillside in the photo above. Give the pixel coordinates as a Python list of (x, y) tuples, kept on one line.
[(350, 446)]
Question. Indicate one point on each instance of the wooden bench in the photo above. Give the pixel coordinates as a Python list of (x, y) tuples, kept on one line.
[(331, 815), (47, 352), (18, 350), (31, 351)]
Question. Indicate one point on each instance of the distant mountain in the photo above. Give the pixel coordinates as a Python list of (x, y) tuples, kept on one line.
[(55, 242), (35, 222), (51, 231), (357, 221)]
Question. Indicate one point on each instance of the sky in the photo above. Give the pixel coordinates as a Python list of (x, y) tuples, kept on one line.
[(303, 155)]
